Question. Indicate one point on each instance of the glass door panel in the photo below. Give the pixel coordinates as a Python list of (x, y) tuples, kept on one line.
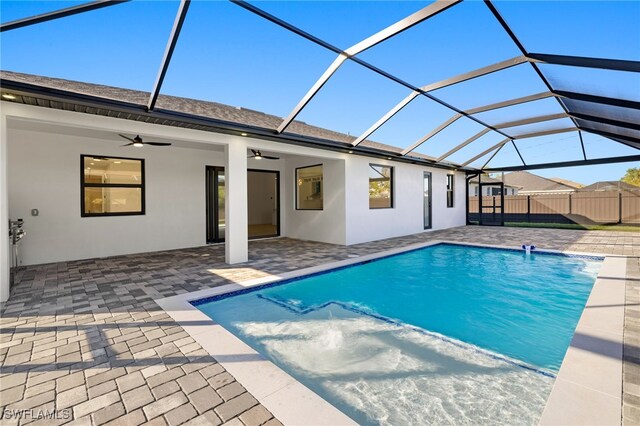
[(220, 204), (426, 198), (215, 199)]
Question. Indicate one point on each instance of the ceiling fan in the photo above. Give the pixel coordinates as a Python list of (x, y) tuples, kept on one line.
[(138, 142), (258, 156)]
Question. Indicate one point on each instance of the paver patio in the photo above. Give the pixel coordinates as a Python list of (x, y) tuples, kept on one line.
[(88, 336)]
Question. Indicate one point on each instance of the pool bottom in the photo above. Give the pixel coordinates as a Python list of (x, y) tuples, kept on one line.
[(390, 373)]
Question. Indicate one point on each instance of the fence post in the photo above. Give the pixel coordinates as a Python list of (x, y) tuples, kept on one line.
[(494, 208), (529, 208), (569, 203), (620, 207)]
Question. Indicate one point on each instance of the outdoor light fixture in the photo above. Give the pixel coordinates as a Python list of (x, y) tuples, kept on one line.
[(8, 96), (243, 134), (350, 152)]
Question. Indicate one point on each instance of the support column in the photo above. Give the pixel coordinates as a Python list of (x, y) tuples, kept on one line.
[(5, 248), (236, 203)]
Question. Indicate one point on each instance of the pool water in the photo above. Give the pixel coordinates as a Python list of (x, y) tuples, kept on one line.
[(447, 334)]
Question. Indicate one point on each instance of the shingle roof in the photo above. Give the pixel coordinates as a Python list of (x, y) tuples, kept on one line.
[(214, 110), (567, 182), (611, 185), (489, 179), (531, 182)]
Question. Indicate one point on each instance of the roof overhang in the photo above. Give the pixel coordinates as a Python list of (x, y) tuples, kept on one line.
[(42, 96)]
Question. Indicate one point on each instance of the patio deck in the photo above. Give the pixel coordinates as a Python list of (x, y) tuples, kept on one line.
[(87, 336)]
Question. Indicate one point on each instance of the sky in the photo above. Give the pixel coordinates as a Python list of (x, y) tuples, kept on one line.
[(228, 55)]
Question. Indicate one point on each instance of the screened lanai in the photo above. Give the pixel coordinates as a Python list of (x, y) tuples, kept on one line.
[(492, 86)]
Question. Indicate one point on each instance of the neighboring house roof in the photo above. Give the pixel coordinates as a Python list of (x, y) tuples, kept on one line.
[(207, 109), (611, 185), (488, 179), (534, 183), (567, 182)]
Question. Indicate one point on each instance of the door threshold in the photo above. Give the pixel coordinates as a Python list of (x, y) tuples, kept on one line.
[(268, 237)]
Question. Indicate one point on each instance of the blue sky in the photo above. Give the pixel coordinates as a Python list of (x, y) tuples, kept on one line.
[(229, 55)]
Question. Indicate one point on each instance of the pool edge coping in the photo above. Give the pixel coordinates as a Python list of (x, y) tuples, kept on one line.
[(588, 387), (274, 388)]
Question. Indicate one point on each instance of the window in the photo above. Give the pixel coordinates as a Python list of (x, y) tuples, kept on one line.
[(111, 186), (450, 190), (309, 191), (380, 187)]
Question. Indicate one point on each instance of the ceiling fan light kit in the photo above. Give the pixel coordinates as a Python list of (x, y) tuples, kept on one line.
[(139, 143), (258, 156)]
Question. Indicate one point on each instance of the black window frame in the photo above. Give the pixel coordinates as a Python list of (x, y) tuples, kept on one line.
[(450, 190), (296, 187), (392, 182), (141, 185)]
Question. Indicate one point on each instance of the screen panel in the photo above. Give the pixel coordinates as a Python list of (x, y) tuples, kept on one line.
[(537, 108), (509, 83), (229, 55), (604, 29), (432, 50), (505, 158), (14, 10), (612, 112), (449, 138), (412, 123), (551, 148), (119, 46), (341, 23), (353, 100), (597, 146), (563, 123), (610, 129), (592, 81), (476, 147)]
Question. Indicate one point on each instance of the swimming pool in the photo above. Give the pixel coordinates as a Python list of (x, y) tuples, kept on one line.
[(445, 334)]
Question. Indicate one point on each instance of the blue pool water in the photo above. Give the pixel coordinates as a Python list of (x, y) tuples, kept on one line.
[(461, 333)]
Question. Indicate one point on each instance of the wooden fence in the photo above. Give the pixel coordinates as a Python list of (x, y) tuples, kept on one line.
[(597, 207)]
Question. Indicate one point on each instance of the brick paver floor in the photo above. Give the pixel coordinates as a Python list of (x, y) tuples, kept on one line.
[(87, 338)]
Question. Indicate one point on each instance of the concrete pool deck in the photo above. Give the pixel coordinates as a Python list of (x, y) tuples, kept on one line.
[(90, 335)]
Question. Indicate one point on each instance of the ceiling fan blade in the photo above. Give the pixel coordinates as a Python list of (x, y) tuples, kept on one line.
[(157, 143), (126, 137), (254, 152), (129, 144), (268, 157)]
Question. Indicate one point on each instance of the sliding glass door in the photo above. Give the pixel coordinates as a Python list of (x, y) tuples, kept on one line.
[(215, 198), (426, 199)]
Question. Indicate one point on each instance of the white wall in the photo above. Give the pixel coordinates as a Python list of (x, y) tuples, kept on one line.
[(327, 225), (44, 174), (5, 247), (406, 216)]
